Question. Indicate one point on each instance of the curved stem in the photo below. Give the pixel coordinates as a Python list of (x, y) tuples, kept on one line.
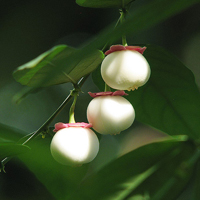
[(44, 127), (121, 19), (123, 13), (72, 108), (107, 88), (107, 44)]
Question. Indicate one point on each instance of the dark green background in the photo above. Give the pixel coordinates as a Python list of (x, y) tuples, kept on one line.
[(28, 28)]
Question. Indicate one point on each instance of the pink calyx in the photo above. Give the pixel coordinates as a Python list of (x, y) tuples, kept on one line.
[(61, 125), (116, 93), (114, 48)]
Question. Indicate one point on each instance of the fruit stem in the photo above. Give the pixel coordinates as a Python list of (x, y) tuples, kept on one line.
[(107, 45), (107, 88), (123, 13), (74, 93)]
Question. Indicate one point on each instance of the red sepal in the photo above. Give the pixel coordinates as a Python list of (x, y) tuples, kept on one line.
[(61, 125), (114, 48), (116, 93)]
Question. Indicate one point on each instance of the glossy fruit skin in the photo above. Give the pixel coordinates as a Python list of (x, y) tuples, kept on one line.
[(74, 146), (110, 114), (125, 70)]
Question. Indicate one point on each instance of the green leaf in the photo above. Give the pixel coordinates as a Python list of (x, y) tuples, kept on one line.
[(103, 3), (119, 178), (133, 25), (196, 186), (36, 71), (123, 176), (11, 149), (10, 133), (140, 20), (97, 78), (25, 91), (170, 180), (59, 179), (136, 22), (170, 100)]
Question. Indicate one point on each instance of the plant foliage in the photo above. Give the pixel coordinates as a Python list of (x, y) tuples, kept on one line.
[(169, 102)]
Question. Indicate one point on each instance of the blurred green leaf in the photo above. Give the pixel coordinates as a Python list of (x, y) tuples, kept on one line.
[(97, 79), (10, 133), (33, 72), (170, 180), (103, 3), (170, 100), (141, 19), (133, 25), (139, 167), (196, 186), (11, 149), (59, 179), (66, 182), (25, 91)]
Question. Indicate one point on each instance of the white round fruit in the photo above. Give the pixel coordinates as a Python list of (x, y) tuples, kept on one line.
[(125, 70), (74, 146), (110, 114)]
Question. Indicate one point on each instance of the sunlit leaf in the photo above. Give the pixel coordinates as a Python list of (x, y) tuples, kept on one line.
[(133, 25), (169, 181), (66, 182), (103, 3), (34, 72), (136, 22), (124, 175)]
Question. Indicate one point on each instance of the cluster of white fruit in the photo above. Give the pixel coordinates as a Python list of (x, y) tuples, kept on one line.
[(124, 68)]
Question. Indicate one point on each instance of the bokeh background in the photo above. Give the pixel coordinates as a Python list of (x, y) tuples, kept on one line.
[(28, 28)]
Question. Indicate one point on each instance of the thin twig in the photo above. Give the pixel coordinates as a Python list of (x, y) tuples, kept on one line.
[(45, 126)]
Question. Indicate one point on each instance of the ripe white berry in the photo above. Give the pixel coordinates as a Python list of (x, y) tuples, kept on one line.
[(74, 146), (110, 114), (125, 70)]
